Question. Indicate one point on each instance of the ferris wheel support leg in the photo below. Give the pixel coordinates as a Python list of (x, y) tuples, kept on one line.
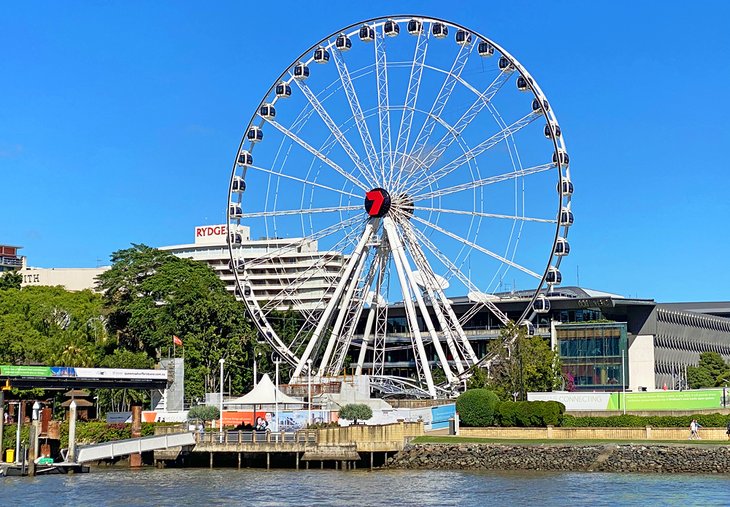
[(432, 289), (327, 315), (344, 311), (395, 246), (426, 315)]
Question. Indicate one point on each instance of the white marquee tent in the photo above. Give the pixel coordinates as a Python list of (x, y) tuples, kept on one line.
[(265, 394)]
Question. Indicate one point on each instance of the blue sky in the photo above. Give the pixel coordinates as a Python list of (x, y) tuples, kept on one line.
[(119, 122)]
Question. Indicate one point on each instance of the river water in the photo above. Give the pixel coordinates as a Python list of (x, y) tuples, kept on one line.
[(203, 487)]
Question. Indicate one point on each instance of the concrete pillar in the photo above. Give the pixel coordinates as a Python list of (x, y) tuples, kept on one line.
[(72, 432), (297, 460), (354, 465), (211, 459), (648, 433), (306, 465), (268, 460), (135, 460), (31, 449), (386, 459), (321, 465), (372, 460), (239, 460)]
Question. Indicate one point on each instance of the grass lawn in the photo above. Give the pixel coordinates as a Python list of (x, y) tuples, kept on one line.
[(445, 439)]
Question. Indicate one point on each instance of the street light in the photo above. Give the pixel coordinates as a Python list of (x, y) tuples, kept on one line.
[(276, 393), (221, 361), (36, 428), (309, 392)]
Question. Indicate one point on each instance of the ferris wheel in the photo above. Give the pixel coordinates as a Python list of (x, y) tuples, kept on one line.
[(395, 167)]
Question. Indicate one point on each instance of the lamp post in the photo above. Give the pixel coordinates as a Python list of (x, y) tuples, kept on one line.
[(18, 424), (221, 361), (276, 394), (309, 392)]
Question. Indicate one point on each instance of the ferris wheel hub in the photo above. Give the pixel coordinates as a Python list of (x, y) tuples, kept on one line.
[(377, 202)]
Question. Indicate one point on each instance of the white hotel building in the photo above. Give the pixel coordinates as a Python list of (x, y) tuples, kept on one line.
[(314, 270)]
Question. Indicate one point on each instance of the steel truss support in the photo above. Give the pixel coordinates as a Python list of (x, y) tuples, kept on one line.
[(397, 249), (352, 264)]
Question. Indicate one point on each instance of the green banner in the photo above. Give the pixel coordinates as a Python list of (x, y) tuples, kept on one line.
[(667, 400), (25, 371)]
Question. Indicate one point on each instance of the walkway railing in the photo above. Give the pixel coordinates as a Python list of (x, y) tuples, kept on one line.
[(257, 437)]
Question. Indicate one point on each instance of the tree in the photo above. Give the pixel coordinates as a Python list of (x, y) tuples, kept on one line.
[(526, 364), (204, 412), (712, 371), (355, 412), (10, 280), (151, 295)]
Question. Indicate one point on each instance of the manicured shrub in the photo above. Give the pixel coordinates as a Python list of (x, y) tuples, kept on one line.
[(477, 407), (636, 421), (530, 414)]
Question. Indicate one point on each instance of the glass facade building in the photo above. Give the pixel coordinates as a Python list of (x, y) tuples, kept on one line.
[(592, 354)]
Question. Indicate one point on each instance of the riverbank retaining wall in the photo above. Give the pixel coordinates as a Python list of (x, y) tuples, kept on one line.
[(594, 458), (645, 433)]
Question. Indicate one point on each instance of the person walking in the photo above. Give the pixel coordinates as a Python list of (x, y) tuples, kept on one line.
[(693, 430)]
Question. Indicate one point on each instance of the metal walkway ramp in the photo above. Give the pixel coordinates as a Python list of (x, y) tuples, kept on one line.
[(116, 448)]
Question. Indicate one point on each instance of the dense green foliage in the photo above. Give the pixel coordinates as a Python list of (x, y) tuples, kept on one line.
[(528, 364), (637, 421), (529, 414), (204, 413), (477, 407), (356, 412), (148, 297), (152, 295), (712, 371), (49, 325), (10, 280)]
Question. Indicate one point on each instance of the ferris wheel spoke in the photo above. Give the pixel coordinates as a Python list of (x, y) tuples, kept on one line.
[(462, 123), (426, 316), (366, 173), (442, 98), (488, 215), (477, 247), (456, 339), (314, 270), (431, 178), (381, 74), (409, 106), (484, 181), (303, 180), (301, 211), (352, 99), (435, 295), (444, 259), (317, 154), (297, 242), (336, 296)]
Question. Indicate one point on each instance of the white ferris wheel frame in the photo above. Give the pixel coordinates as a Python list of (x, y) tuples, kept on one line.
[(410, 238)]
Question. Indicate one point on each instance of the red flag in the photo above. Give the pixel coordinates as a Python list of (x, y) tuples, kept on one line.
[(177, 341)]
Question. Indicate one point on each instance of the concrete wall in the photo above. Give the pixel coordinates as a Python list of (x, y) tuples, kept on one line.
[(550, 432), (371, 438), (69, 278), (641, 362)]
